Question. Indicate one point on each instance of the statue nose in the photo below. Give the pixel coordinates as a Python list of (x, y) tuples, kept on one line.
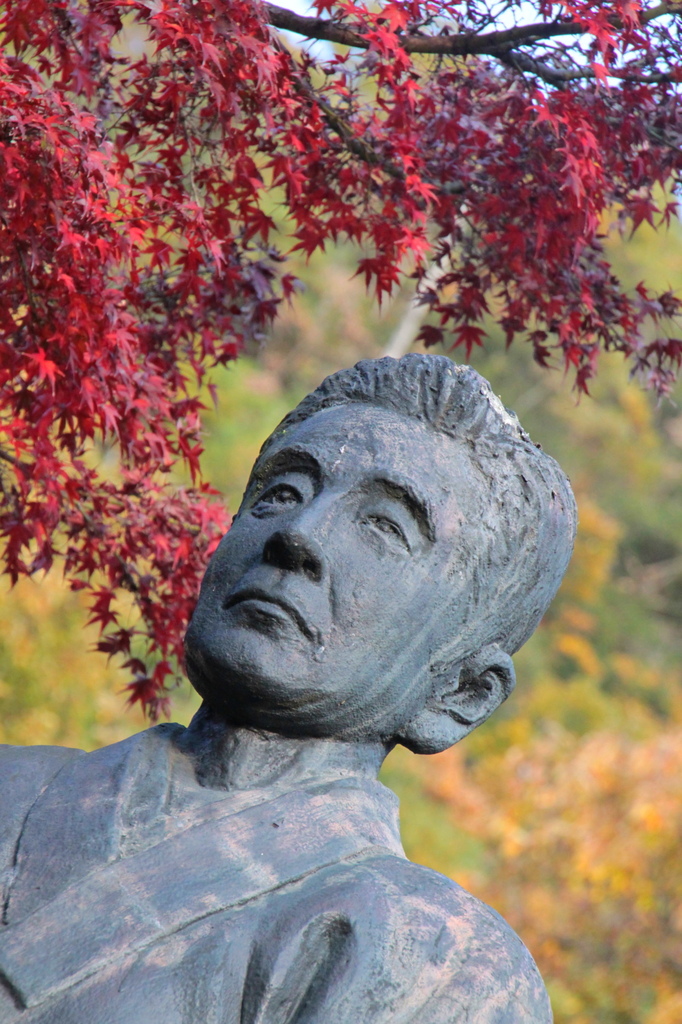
[(287, 549)]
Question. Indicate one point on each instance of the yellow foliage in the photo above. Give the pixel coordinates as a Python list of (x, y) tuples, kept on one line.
[(581, 651), (581, 840), (668, 1010), (637, 408), (53, 688), (575, 618), (595, 552)]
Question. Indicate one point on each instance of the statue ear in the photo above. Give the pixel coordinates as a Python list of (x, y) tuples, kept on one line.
[(463, 697)]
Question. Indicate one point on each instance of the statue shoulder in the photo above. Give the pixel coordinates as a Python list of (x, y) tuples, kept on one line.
[(481, 960), (24, 774), (68, 809), (25, 771)]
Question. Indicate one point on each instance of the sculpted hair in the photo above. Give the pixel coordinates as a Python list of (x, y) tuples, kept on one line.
[(521, 527)]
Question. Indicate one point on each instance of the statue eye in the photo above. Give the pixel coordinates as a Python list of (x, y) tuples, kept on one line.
[(387, 527), (277, 498)]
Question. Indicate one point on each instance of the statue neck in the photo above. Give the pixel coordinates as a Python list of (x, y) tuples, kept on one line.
[(235, 757)]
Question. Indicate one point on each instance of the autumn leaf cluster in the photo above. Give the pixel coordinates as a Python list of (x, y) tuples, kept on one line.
[(158, 160)]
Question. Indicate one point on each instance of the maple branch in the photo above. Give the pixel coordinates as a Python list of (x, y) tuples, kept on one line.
[(353, 143), (563, 76), (23, 467), (461, 44), (365, 150), (360, 147), (356, 145), (553, 76)]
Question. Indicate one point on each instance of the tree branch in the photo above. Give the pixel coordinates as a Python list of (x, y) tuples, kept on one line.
[(563, 76), (360, 147), (460, 44), (23, 467)]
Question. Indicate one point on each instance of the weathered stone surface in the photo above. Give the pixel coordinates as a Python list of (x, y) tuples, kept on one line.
[(399, 539)]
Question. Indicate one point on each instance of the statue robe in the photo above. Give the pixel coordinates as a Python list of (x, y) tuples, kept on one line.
[(133, 895)]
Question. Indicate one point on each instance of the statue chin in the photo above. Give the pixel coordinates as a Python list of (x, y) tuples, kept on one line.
[(245, 690)]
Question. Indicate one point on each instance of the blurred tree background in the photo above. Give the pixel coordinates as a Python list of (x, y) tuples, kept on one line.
[(564, 812)]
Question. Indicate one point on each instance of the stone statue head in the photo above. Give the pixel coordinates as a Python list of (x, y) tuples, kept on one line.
[(399, 539)]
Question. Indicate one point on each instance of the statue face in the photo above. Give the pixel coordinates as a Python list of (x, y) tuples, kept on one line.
[(339, 580)]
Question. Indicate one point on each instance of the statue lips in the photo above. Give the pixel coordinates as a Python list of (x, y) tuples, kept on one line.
[(263, 597)]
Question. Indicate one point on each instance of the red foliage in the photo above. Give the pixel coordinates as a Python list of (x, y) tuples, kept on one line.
[(136, 214)]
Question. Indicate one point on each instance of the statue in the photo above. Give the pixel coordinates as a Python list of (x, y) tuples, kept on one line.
[(400, 537)]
